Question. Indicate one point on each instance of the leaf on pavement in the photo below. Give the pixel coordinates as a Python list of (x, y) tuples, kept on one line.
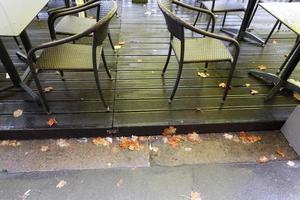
[(195, 196), (129, 143), (280, 152), (222, 85), (262, 67), (100, 141), (174, 140), (248, 139), (193, 137), (203, 74), (247, 84), (61, 184), (45, 148), (62, 143), (253, 92), (263, 159), (48, 89), (12, 143), (296, 95)]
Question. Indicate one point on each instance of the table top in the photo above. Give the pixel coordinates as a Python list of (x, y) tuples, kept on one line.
[(15, 15), (287, 13)]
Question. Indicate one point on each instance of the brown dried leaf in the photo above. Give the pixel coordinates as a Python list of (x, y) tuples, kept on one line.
[(263, 159), (262, 67), (12, 143), (129, 143), (62, 143), (248, 139), (296, 95), (222, 85), (174, 140), (195, 196), (45, 148), (253, 92), (171, 130), (51, 121), (100, 141), (203, 74), (280, 152), (193, 137), (18, 113), (48, 89)]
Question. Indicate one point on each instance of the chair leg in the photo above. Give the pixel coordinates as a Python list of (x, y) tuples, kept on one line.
[(206, 65), (111, 42), (61, 72), (198, 15), (224, 19), (279, 27), (252, 16), (272, 31), (40, 89), (18, 43), (177, 80), (105, 65), (229, 81), (208, 24), (99, 89), (167, 61)]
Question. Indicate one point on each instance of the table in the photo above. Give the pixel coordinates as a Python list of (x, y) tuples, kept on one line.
[(289, 15), (15, 16), (242, 33)]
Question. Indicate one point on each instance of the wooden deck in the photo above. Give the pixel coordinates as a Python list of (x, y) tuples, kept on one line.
[(138, 95)]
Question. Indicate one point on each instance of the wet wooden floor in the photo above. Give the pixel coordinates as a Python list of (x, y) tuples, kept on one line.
[(138, 96)]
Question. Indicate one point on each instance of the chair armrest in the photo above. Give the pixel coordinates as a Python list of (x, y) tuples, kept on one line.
[(216, 36), (53, 17), (206, 11), (63, 9)]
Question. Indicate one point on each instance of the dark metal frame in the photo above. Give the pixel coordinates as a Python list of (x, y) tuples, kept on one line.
[(176, 27), (56, 13), (99, 31)]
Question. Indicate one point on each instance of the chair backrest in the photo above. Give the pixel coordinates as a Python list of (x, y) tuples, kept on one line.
[(174, 24)]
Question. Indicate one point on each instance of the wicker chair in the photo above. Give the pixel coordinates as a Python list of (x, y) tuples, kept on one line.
[(70, 24), (62, 55), (221, 6), (209, 48)]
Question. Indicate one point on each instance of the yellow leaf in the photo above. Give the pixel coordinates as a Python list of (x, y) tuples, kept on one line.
[(18, 113), (203, 74), (262, 67)]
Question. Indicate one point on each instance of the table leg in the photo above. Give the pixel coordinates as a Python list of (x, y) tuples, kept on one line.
[(9, 66), (281, 80)]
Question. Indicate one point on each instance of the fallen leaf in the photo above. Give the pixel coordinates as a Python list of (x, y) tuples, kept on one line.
[(148, 13), (296, 95), (129, 143), (118, 47), (228, 136), (48, 89), (188, 149), (222, 85), (83, 140), (248, 139), (253, 92), (7, 76), (174, 140), (154, 149), (45, 148), (61, 184), (51, 121), (100, 141), (121, 42), (120, 182), (195, 196), (262, 67), (18, 113), (263, 159), (291, 163), (193, 137), (109, 164), (12, 143), (143, 139), (26, 194), (274, 42), (140, 60), (203, 74), (171, 130), (247, 84), (280, 152), (62, 143), (165, 140), (236, 139)]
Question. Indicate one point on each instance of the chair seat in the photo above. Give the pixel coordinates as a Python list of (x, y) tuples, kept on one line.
[(67, 57), (224, 6), (202, 50), (72, 25)]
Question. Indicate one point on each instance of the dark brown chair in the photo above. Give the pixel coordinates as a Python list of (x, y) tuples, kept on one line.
[(69, 24), (209, 48), (221, 6), (62, 55)]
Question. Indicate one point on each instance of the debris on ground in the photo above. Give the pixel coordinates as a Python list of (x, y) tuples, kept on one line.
[(48, 89), (291, 163), (248, 139), (61, 184), (203, 74), (45, 148), (222, 85), (120, 183), (280, 152), (193, 137), (62, 143), (262, 67), (18, 113), (101, 141), (51, 121), (12, 143), (130, 143), (195, 196), (253, 92), (171, 130), (26, 194), (263, 159)]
